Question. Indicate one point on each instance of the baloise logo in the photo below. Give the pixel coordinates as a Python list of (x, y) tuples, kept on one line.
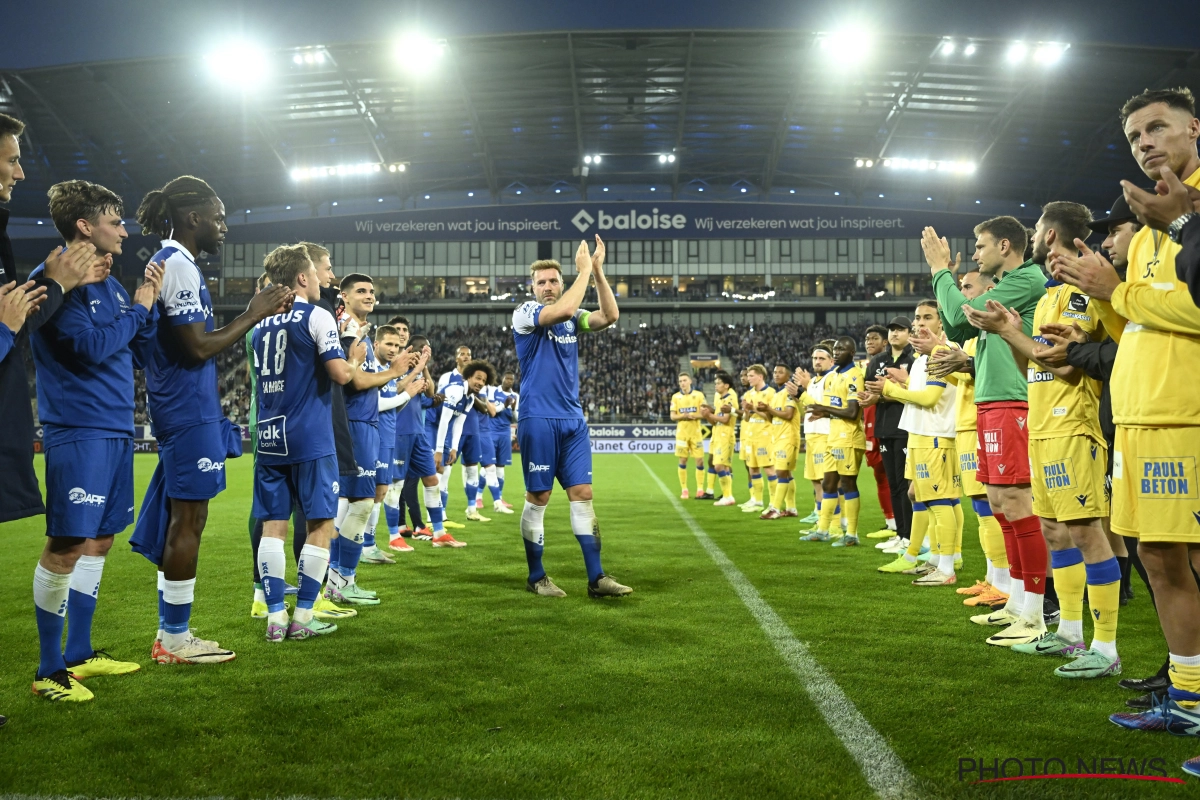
[(631, 221), (80, 497)]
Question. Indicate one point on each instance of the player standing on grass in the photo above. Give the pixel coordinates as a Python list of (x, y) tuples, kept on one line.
[(722, 415), (297, 358), (756, 435), (458, 404), (1002, 401), (845, 446), (785, 446), (816, 429), (552, 433), (471, 447), (85, 356), (689, 438), (875, 342), (499, 429), (184, 403)]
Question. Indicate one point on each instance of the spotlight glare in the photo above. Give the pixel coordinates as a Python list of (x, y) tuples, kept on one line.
[(1049, 53), (587, 159), (558, 191), (426, 197), (847, 46), (887, 162), (595, 159), (239, 64), (743, 189), (671, 158), (948, 49), (320, 57), (870, 163), (297, 174), (969, 50), (859, 162), (298, 59), (470, 194), (417, 53), (1016, 52), (391, 167)]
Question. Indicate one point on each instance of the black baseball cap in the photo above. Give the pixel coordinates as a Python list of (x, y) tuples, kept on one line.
[(899, 322), (1119, 213)]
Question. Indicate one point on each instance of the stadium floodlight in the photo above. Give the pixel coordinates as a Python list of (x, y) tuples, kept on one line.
[(743, 190), (1016, 52), (239, 64), (364, 168), (947, 48), (470, 194), (929, 165), (591, 159), (847, 46), (418, 53), (1049, 53), (858, 162), (298, 59), (969, 50)]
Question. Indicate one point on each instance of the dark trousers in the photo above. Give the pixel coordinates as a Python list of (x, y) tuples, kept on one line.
[(409, 501), (892, 451)]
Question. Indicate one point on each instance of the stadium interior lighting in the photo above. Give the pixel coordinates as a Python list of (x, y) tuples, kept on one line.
[(969, 50), (239, 64), (426, 197), (558, 191), (418, 53), (791, 191), (606, 188), (947, 48), (1049, 53), (959, 167), (518, 191), (309, 57), (743, 190), (591, 159), (365, 168), (1016, 52), (847, 46), (470, 194), (653, 189)]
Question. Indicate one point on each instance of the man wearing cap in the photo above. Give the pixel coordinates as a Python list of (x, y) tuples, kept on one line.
[(893, 441)]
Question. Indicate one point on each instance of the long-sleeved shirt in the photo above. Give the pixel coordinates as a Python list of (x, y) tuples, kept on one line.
[(1187, 263), (85, 356), (997, 377), (1097, 359)]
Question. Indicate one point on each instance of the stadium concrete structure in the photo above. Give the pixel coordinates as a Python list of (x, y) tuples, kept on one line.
[(296, 139)]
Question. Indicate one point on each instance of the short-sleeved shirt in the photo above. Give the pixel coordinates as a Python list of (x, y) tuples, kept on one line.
[(730, 399), (180, 393), (757, 422), (502, 422), (887, 412), (1059, 407), (549, 359), (687, 429), (814, 395), (785, 429), (842, 385), (295, 392)]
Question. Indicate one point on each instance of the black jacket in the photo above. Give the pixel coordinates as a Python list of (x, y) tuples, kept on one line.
[(19, 493), (887, 412), (330, 300), (1187, 261), (1096, 359)]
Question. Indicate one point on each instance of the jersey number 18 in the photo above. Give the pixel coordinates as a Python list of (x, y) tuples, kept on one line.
[(264, 365)]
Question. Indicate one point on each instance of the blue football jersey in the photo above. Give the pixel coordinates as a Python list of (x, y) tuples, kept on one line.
[(411, 418), (455, 378), (295, 392), (502, 422), (85, 356), (387, 419), (181, 394), (363, 406), (549, 359), (455, 409)]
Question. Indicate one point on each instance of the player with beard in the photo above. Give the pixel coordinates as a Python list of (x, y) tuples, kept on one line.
[(810, 390)]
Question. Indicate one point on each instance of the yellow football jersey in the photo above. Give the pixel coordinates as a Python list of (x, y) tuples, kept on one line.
[(1059, 407), (687, 429), (754, 397), (841, 386), (965, 413), (786, 429), (1160, 344), (730, 399)]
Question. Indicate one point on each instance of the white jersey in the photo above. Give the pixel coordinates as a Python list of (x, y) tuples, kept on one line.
[(937, 421), (816, 426)]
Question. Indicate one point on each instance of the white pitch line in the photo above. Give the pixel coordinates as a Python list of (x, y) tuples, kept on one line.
[(882, 768)]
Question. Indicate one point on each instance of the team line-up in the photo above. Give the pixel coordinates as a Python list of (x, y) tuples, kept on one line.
[(1047, 389)]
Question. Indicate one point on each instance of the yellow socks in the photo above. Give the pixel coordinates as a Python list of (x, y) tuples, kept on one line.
[(710, 482), (1070, 577), (726, 481), (779, 496), (850, 507), (790, 497), (829, 503), (683, 478), (1104, 597), (920, 526), (991, 538), (756, 488), (1185, 680), (700, 481), (958, 526)]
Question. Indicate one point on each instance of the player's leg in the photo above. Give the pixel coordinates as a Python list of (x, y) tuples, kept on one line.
[(697, 450), (471, 487), (848, 468), (574, 473), (539, 443), (314, 481), (503, 459), (51, 588), (393, 501), (883, 492), (711, 477), (829, 504), (681, 453)]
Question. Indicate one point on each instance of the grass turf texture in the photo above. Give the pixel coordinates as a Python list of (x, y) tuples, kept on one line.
[(461, 684)]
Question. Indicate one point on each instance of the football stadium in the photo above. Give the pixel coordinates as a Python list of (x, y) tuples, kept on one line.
[(550, 400)]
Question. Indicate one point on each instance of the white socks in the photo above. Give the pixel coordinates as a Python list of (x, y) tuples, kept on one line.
[(1016, 598), (50, 590), (1031, 612), (86, 577), (343, 509), (355, 521), (1071, 629), (489, 474), (392, 498), (531, 523), (314, 561), (946, 567), (583, 518), (1000, 578), (177, 593)]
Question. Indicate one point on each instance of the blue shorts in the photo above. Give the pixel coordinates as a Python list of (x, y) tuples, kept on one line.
[(487, 448), (89, 488), (470, 450), (365, 437), (412, 456), (193, 461), (502, 441), (383, 466), (312, 485), (554, 448)]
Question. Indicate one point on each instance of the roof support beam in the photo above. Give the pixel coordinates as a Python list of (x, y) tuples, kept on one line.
[(158, 142), (583, 178), (891, 122), (999, 124), (682, 119), (375, 134), (485, 153)]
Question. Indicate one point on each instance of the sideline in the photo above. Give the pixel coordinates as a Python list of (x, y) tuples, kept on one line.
[(880, 765)]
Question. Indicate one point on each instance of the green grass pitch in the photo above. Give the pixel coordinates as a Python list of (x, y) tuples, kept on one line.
[(463, 685)]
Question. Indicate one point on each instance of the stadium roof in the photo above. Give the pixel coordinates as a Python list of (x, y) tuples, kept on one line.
[(768, 111)]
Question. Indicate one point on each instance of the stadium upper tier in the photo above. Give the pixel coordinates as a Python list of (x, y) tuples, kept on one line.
[(776, 115)]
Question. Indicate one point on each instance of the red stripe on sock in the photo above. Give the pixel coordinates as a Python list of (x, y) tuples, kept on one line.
[(1032, 546)]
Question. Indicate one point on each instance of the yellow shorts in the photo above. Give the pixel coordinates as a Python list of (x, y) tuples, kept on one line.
[(721, 448), (761, 449), (843, 460), (933, 463), (786, 452), (689, 448), (1155, 487), (1068, 478), (965, 444), (814, 456)]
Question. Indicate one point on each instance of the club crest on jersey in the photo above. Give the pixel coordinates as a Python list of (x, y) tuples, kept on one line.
[(208, 465), (569, 325), (335, 487), (81, 497)]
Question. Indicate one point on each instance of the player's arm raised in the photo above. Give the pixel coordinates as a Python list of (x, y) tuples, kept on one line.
[(566, 306), (201, 345), (608, 313)]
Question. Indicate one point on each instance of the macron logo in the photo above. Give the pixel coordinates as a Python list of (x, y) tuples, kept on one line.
[(80, 497), (583, 220)]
